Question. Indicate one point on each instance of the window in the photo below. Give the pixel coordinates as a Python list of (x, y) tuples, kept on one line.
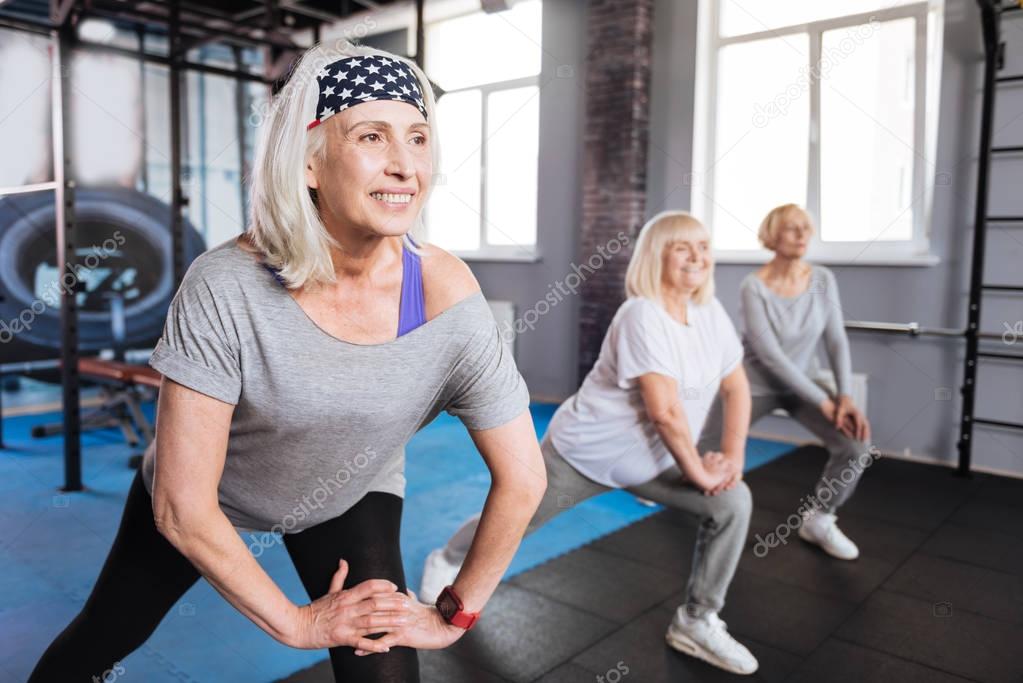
[(484, 202), (830, 104)]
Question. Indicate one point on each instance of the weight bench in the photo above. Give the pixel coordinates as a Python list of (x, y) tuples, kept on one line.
[(123, 387)]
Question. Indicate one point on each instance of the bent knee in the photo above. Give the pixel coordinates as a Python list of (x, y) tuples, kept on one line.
[(736, 502)]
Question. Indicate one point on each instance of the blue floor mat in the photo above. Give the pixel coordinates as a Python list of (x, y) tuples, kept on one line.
[(52, 546)]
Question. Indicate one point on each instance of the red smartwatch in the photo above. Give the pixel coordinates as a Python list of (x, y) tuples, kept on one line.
[(451, 608)]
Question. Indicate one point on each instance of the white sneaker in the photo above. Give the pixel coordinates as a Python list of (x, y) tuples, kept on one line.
[(707, 638), (438, 572), (820, 529)]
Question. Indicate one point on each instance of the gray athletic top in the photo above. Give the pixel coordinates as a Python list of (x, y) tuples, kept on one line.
[(320, 422), (780, 336)]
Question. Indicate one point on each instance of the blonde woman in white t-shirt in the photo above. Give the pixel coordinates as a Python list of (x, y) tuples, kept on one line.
[(635, 421)]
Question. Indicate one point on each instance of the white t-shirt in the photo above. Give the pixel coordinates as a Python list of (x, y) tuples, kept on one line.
[(603, 430)]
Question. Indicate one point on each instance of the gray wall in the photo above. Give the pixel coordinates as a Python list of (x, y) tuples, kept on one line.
[(905, 375)]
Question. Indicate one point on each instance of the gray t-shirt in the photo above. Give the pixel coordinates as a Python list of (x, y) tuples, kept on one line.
[(780, 336), (320, 422)]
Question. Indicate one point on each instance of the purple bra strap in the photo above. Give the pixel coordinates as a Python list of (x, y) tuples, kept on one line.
[(412, 310)]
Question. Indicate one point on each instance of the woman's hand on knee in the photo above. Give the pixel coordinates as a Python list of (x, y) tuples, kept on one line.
[(347, 617), (425, 630)]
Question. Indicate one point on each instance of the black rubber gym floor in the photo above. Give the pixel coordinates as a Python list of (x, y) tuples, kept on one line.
[(936, 594)]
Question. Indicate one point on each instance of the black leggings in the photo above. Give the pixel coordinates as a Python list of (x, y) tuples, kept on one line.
[(144, 575)]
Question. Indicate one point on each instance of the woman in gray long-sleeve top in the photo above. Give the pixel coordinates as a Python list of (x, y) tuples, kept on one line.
[(787, 307)]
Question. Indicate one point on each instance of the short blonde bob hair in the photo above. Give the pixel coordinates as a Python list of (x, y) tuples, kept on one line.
[(284, 222), (775, 219), (643, 276)]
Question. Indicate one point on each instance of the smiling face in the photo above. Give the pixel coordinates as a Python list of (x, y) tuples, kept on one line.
[(793, 235), (687, 261), (375, 171)]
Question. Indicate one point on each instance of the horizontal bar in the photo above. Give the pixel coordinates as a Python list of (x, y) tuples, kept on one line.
[(1009, 79), (1004, 356), (28, 366), (1006, 150), (1002, 288), (912, 329), (1004, 219), (160, 59), (998, 423), (23, 189)]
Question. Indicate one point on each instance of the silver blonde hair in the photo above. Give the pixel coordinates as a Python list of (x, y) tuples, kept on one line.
[(643, 276), (284, 223)]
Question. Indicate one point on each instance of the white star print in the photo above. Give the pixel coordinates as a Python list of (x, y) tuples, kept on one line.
[(346, 93), (378, 86), (391, 78), (359, 80), (341, 74), (373, 69), (322, 73), (328, 91), (326, 112)]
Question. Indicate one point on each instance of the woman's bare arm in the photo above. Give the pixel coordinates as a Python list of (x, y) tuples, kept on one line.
[(191, 446)]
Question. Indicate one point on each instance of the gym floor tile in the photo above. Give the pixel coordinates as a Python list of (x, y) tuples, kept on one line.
[(524, 634), (569, 673), (780, 615), (983, 547), (837, 661), (799, 564), (640, 647), (984, 514), (939, 636), (611, 587), (656, 541), (981, 591)]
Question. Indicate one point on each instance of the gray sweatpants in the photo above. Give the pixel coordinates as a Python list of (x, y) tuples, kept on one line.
[(841, 473), (723, 522)]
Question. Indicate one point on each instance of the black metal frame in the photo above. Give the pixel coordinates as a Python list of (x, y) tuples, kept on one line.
[(990, 11), (64, 16)]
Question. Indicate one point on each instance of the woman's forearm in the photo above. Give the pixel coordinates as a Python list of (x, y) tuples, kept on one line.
[(212, 545), (674, 432), (737, 406), (506, 514)]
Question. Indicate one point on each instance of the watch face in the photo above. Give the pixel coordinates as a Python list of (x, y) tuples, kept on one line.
[(446, 606)]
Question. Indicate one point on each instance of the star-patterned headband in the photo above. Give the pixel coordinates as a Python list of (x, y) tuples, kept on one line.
[(354, 80)]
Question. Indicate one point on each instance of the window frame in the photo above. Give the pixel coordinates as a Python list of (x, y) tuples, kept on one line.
[(487, 251), (927, 15)]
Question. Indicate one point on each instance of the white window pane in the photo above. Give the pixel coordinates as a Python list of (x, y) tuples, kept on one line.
[(751, 16), (25, 106), (484, 48), (867, 118), (513, 135), (453, 213), (760, 145)]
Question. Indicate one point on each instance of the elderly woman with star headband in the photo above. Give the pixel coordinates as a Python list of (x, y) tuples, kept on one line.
[(298, 360)]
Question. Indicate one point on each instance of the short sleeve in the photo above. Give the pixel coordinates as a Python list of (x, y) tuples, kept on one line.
[(641, 344), (485, 388), (199, 348), (728, 338)]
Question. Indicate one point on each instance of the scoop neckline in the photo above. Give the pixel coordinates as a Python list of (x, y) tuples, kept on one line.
[(253, 259), (689, 313), (809, 285)]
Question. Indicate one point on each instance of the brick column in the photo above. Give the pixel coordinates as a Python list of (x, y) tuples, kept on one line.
[(615, 157)]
